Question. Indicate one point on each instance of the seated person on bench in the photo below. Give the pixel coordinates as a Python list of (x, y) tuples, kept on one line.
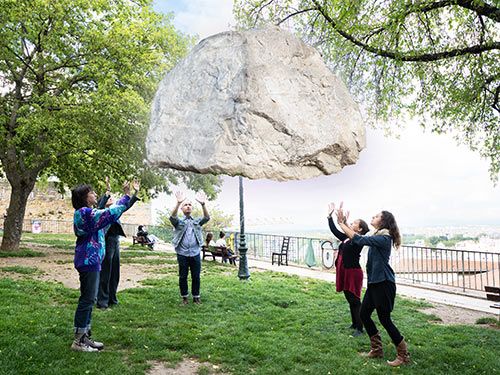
[(211, 247), (209, 240), (142, 232), (221, 242), (148, 238)]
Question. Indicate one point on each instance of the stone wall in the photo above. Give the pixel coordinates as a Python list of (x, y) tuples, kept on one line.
[(47, 203)]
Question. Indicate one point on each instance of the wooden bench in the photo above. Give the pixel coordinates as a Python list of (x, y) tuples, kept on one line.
[(283, 253), (218, 251), (493, 294), (141, 240)]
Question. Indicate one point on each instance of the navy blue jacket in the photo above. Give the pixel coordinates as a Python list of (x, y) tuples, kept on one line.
[(379, 253)]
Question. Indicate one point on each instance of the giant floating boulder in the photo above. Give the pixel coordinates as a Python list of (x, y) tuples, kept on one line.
[(257, 103)]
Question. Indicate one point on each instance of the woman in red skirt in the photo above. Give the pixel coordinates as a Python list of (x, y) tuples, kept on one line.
[(349, 272)]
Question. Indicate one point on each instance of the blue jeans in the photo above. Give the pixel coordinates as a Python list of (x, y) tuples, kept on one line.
[(110, 273), (89, 282), (186, 264)]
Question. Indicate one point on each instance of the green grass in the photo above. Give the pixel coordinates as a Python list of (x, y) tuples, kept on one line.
[(488, 320), (273, 324), (59, 241), (22, 270), (21, 253)]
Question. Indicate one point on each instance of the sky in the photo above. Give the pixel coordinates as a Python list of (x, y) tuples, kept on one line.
[(424, 179)]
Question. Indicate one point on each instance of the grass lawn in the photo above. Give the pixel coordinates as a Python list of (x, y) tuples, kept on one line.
[(273, 324)]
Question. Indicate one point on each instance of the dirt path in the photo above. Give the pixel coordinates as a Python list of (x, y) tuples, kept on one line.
[(58, 266), (455, 315), (186, 367)]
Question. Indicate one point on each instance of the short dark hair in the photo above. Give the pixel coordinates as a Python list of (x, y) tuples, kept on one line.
[(222, 234), (79, 196)]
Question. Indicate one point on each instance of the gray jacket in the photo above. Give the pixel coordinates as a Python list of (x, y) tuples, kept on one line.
[(180, 229)]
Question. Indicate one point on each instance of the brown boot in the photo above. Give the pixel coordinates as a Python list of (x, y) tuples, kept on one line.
[(403, 357), (376, 347)]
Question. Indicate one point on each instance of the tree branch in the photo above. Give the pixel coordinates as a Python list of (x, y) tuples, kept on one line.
[(481, 8), (409, 55), (24, 62), (496, 97), (295, 14), (260, 8), (477, 6)]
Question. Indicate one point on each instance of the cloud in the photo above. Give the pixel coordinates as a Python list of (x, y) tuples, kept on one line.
[(205, 17)]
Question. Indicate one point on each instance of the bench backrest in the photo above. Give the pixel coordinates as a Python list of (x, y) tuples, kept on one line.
[(493, 293), (217, 249)]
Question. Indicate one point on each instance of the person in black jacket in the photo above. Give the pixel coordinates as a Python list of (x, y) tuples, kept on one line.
[(349, 275), (110, 268)]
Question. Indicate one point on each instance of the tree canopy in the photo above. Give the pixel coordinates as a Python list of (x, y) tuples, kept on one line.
[(438, 59), (78, 77), (219, 220)]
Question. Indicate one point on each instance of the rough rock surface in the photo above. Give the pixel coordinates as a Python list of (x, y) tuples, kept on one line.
[(258, 103)]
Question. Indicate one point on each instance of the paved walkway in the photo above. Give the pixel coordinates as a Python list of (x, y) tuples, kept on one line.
[(477, 302)]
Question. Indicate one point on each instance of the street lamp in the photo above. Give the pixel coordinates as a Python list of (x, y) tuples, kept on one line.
[(243, 272)]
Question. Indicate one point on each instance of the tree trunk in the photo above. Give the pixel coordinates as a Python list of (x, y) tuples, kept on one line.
[(13, 224)]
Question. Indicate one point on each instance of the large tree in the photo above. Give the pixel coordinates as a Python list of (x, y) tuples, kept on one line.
[(77, 78), (438, 59)]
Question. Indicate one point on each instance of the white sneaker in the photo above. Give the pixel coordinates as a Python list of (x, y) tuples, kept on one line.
[(93, 344), (82, 346)]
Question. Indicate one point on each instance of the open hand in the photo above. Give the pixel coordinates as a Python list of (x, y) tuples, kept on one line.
[(180, 196), (341, 216), (126, 187), (136, 184), (108, 186), (201, 197), (331, 208)]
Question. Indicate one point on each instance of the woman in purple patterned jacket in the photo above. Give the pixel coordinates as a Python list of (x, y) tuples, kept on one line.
[(89, 224)]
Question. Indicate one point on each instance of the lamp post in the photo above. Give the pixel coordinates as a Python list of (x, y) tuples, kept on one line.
[(243, 272)]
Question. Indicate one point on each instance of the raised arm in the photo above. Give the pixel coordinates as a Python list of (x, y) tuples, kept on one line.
[(201, 198), (101, 203), (88, 220), (180, 197), (341, 236), (342, 221), (136, 185)]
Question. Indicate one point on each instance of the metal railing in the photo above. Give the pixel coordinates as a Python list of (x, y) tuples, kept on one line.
[(464, 269), (261, 246), (467, 270)]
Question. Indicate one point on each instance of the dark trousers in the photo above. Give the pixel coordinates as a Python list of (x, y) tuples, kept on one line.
[(185, 265), (380, 297), (354, 306), (88, 292), (110, 273)]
